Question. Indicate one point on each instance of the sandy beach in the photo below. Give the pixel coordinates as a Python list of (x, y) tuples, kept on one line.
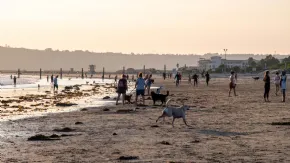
[(223, 129)]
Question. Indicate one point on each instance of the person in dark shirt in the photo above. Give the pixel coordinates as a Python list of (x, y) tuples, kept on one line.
[(51, 78), (177, 79), (207, 77), (122, 88), (14, 80), (164, 76), (267, 86), (195, 78)]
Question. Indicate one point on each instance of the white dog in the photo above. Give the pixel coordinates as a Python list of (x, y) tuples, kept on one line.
[(174, 112)]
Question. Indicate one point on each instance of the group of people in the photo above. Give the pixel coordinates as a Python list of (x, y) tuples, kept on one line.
[(169, 75), (54, 81), (195, 78), (141, 85), (280, 83), (14, 80)]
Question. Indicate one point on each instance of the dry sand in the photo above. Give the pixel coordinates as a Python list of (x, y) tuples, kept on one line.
[(224, 129)]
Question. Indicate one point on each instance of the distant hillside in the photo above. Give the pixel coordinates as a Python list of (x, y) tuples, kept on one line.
[(28, 59)]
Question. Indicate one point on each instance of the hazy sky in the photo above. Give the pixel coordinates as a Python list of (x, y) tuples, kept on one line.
[(148, 26)]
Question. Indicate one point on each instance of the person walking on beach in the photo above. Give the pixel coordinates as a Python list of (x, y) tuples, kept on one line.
[(177, 79), (140, 88), (195, 80), (266, 86), (148, 83), (283, 85), (121, 89), (207, 77), (164, 75), (132, 78), (10, 76), (55, 83), (14, 81), (277, 81), (47, 78), (189, 79), (232, 84)]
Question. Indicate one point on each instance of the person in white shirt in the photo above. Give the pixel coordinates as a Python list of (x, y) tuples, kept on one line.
[(277, 82)]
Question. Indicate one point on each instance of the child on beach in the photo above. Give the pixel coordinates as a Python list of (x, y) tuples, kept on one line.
[(277, 82), (266, 86), (140, 88), (121, 89), (232, 84), (283, 85)]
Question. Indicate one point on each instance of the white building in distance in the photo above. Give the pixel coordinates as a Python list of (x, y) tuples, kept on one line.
[(215, 61)]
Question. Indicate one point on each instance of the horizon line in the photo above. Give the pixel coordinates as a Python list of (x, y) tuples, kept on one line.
[(133, 53)]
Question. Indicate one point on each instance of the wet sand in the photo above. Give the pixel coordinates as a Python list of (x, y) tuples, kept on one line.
[(223, 129)]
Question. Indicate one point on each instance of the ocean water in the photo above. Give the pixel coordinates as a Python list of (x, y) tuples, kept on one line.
[(28, 81), (29, 85)]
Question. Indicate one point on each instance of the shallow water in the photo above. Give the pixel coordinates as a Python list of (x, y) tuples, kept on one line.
[(29, 85)]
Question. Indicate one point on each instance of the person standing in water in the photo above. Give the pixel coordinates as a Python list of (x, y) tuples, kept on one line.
[(116, 77), (232, 84), (47, 78), (266, 86), (51, 78), (55, 83), (14, 81), (121, 89), (277, 80), (140, 88), (207, 77), (283, 85)]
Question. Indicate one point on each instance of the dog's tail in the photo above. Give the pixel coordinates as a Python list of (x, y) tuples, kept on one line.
[(167, 102)]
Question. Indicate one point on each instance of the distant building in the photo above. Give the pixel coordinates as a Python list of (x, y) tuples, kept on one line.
[(215, 61), (204, 64)]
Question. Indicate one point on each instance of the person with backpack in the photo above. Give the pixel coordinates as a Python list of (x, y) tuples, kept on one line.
[(122, 88)]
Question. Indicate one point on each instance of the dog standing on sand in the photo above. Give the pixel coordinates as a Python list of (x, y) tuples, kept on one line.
[(159, 97), (174, 112)]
